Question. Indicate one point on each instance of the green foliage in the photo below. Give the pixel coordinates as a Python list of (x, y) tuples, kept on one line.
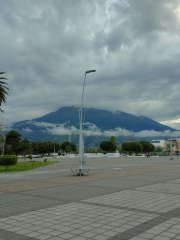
[(147, 146), (107, 146), (3, 89), (168, 148), (45, 160), (153, 154), (23, 149), (126, 146), (25, 140), (65, 144), (68, 149), (13, 138), (19, 167), (95, 150), (8, 160), (113, 140), (158, 149), (73, 146), (45, 147), (132, 147), (8, 150)]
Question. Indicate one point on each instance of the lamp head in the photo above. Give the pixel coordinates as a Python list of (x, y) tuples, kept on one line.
[(89, 71)]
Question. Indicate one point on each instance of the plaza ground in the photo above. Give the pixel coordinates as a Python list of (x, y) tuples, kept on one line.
[(121, 198)]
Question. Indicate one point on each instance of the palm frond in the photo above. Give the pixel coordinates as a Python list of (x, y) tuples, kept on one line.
[(3, 89)]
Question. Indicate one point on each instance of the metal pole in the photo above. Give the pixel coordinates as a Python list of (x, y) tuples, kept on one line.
[(3, 145), (83, 138), (81, 143), (171, 150), (80, 133), (69, 136)]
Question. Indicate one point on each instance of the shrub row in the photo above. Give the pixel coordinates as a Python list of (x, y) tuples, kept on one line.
[(8, 160)]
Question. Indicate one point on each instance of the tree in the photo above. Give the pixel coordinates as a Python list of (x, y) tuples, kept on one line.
[(45, 147), (8, 160), (25, 140), (73, 146), (95, 150), (107, 146), (42, 148), (158, 149), (168, 148), (137, 147), (13, 138), (127, 146), (3, 89), (147, 146), (132, 147), (23, 149), (113, 140), (68, 149), (65, 144), (34, 147)]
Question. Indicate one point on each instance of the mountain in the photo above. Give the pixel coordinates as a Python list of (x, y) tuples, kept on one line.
[(54, 126)]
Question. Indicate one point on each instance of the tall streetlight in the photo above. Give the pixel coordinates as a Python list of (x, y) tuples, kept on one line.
[(54, 149), (81, 151), (2, 143), (83, 162)]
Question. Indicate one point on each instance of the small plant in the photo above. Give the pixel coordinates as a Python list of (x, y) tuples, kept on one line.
[(45, 160), (8, 160)]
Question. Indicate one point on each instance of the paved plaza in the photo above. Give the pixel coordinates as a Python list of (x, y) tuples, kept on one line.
[(121, 198)]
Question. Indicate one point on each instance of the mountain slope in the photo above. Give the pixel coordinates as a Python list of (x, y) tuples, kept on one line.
[(103, 119), (55, 126)]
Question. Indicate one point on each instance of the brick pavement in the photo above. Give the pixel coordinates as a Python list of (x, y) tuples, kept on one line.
[(124, 198)]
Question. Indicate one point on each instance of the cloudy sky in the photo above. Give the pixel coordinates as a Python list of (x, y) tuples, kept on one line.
[(47, 45)]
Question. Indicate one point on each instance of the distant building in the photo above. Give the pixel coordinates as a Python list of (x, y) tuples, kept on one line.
[(164, 144), (175, 144), (159, 143)]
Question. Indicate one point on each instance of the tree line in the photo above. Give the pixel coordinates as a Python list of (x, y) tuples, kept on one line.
[(15, 146), (127, 147)]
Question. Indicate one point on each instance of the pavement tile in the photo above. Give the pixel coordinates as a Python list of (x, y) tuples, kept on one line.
[(119, 204)]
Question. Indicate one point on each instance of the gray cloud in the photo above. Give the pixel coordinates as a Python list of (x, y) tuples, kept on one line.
[(46, 46), (93, 130)]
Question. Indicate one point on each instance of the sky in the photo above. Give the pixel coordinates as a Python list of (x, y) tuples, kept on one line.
[(47, 45)]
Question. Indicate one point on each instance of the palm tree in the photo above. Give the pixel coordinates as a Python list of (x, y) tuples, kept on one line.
[(13, 138), (3, 89)]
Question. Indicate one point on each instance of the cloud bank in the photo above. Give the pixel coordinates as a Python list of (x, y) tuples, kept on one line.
[(46, 47), (93, 130)]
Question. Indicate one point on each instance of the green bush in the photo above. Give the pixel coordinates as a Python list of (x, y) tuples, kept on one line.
[(8, 160), (45, 160)]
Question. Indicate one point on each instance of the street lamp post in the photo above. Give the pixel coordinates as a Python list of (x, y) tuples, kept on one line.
[(83, 162), (54, 149), (80, 127), (171, 158), (3, 139)]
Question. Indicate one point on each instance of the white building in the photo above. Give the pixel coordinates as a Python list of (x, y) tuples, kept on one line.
[(159, 143)]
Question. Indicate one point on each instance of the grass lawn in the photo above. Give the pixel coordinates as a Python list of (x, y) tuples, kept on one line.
[(20, 167)]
